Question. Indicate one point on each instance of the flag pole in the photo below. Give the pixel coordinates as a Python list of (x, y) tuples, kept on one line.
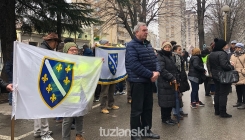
[(12, 128)]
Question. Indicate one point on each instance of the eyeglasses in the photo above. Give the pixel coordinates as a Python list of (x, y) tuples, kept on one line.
[(73, 50)]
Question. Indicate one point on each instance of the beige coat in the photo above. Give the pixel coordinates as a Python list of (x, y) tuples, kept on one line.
[(239, 67)]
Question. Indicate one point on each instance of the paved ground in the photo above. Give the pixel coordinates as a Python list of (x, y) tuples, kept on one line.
[(201, 123)]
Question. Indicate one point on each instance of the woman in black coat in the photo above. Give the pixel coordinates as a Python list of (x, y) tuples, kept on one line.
[(219, 62), (196, 75), (166, 93)]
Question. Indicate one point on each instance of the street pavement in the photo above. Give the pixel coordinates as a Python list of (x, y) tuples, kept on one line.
[(201, 123)]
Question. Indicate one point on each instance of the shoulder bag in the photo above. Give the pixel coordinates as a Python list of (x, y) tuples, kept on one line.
[(228, 77)]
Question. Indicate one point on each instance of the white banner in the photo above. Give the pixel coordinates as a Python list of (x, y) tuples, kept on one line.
[(52, 84), (113, 69)]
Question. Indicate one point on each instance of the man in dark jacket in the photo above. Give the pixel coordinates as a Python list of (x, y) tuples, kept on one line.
[(143, 69), (51, 41), (41, 126), (185, 56), (87, 51), (232, 47), (9, 71), (204, 55)]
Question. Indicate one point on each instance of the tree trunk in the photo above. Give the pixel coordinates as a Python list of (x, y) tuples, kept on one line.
[(142, 17), (59, 28), (201, 34), (8, 31), (200, 17)]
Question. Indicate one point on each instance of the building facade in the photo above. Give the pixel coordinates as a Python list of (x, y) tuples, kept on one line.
[(177, 24), (112, 31), (171, 21), (153, 39), (191, 30)]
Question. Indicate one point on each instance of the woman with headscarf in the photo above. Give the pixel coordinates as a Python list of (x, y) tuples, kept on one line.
[(219, 62), (165, 82), (238, 59), (196, 76)]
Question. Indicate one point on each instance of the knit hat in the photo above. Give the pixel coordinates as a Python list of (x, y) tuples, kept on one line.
[(103, 42), (239, 45), (233, 42), (68, 45), (219, 44), (52, 36), (166, 43)]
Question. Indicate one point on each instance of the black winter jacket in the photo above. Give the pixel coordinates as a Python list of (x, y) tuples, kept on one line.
[(196, 67), (9, 69), (3, 85), (219, 61), (166, 93), (140, 61)]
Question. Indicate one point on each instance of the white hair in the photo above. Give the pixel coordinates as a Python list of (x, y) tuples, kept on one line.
[(137, 27)]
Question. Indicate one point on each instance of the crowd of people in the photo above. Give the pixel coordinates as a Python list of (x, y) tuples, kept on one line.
[(162, 69)]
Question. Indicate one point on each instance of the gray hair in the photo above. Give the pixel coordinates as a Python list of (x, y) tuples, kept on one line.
[(137, 27)]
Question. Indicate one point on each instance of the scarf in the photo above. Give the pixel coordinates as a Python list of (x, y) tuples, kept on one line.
[(177, 61), (238, 53)]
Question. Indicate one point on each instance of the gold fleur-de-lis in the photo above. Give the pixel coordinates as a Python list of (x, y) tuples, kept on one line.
[(66, 81), (45, 78), (49, 88), (53, 98), (110, 63), (112, 67), (59, 67), (67, 69)]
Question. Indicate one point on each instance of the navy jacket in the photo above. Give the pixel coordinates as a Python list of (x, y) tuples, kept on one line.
[(140, 61), (87, 52), (9, 69)]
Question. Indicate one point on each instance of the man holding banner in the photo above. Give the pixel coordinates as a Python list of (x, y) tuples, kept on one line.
[(113, 71), (41, 126), (143, 69), (49, 84)]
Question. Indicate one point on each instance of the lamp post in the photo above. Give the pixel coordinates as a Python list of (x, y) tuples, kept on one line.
[(225, 9)]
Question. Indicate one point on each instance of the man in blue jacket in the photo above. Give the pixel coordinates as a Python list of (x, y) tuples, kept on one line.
[(143, 69)]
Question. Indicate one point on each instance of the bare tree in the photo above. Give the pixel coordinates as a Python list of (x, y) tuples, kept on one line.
[(201, 8), (235, 19), (129, 12)]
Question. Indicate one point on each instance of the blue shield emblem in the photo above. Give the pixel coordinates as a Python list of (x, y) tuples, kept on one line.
[(55, 80), (112, 62)]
